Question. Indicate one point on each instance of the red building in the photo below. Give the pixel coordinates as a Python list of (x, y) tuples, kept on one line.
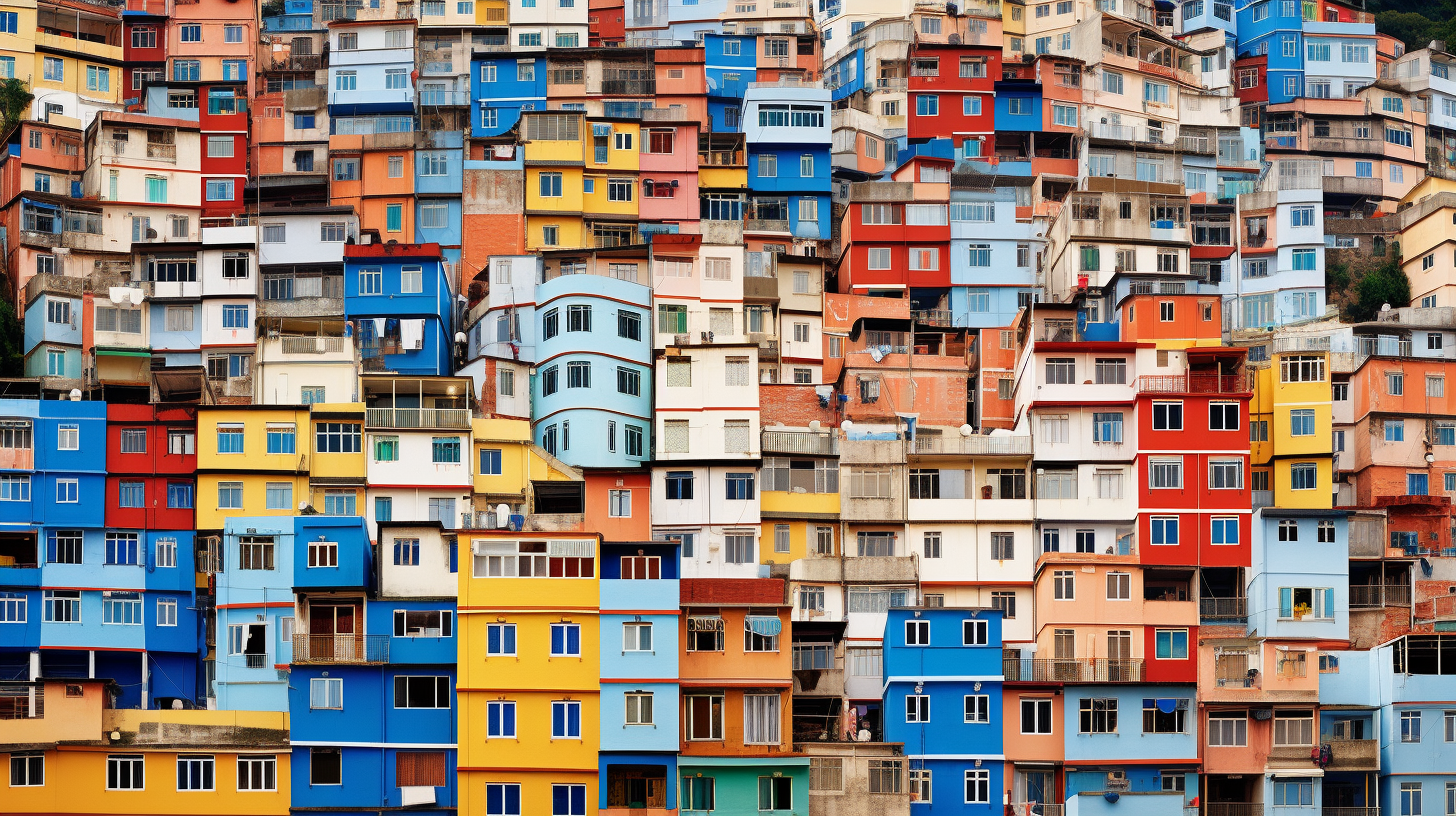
[(223, 117), (151, 459), (604, 23), (143, 46), (1193, 460), (896, 235), (952, 90)]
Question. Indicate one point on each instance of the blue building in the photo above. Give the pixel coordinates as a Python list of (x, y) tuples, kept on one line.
[(400, 300), (788, 140), (82, 600), (992, 258), (1130, 749), (942, 674), (730, 64), (500, 88), (639, 671), (52, 335), (439, 182), (372, 688)]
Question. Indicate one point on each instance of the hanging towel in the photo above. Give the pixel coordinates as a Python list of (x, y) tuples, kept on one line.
[(763, 625), (378, 327), (412, 334)]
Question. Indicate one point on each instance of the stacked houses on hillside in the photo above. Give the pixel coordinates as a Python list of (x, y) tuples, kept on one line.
[(760, 407)]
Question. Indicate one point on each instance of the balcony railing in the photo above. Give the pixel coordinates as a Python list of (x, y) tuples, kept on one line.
[(1223, 608), (806, 442), (428, 418), (1075, 670), (973, 445), (1193, 383), (629, 87), (1349, 811), (313, 345), (340, 648), (932, 317), (1233, 809), (1375, 596), (445, 98)]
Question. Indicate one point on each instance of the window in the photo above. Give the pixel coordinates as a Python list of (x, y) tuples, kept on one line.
[(1119, 586), (416, 691), (500, 640), (975, 633), (738, 486), (1097, 715), (123, 772), (1167, 416), (1293, 791), (337, 437), (257, 773), (777, 792), (1410, 726), (1164, 529), (1063, 585), (761, 719), (194, 773), (1226, 474), (325, 766), (1394, 383), (1165, 473), (978, 787), (1171, 644), (1228, 729), (917, 708), (566, 640), (1394, 430)]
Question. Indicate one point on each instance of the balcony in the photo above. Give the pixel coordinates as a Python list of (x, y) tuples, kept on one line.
[(1349, 185), (1354, 755), (1262, 498), (1349, 811), (1200, 145), (22, 701), (74, 45), (421, 418), (445, 99), (301, 62), (340, 648), (1376, 596), (1075, 670), (856, 569), (629, 87), (1346, 144), (1223, 609), (932, 317), (1193, 383), (973, 445), (803, 442)]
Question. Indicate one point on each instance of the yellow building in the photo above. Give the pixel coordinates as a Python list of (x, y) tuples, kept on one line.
[(799, 499), (17, 49), (231, 763), (581, 180), (76, 66), (1291, 422), (266, 460), (1427, 242), (528, 667)]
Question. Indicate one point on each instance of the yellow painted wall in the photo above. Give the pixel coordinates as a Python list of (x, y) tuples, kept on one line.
[(255, 499), (722, 177), (533, 746), (338, 465), (801, 538), (569, 232), (76, 783), (520, 462), (255, 438), (1321, 498), (535, 787)]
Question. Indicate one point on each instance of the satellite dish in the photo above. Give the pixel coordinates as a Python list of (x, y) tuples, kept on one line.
[(814, 425), (967, 430), (460, 337), (75, 395), (136, 296), (303, 505), (846, 425), (502, 516)]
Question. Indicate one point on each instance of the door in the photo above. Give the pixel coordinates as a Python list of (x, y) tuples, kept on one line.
[(331, 630), (1064, 649), (1119, 655)]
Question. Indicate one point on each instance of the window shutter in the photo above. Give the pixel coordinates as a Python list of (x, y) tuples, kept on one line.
[(1286, 602)]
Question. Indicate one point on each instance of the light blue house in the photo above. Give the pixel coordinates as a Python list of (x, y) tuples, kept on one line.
[(1299, 584), (942, 674), (593, 371), (1134, 748), (992, 258), (788, 140), (639, 671)]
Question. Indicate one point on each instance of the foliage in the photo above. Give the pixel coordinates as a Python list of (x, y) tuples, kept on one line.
[(12, 349), (1386, 284), (14, 97)]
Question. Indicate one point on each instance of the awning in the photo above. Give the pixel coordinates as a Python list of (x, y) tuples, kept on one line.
[(1167, 705), (763, 625)]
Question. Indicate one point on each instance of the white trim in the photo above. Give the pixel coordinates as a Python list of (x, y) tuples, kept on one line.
[(986, 757)]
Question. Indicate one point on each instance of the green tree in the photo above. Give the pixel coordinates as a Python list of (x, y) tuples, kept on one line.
[(14, 97), (1385, 284)]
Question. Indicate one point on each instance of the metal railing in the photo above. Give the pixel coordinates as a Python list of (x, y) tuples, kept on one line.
[(1223, 608), (255, 661), (1374, 596), (294, 344), (975, 444), (932, 317), (1233, 809), (454, 418), (340, 648), (1075, 670), (807, 442), (1193, 383)]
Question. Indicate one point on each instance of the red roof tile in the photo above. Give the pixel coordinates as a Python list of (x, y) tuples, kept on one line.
[(732, 591)]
